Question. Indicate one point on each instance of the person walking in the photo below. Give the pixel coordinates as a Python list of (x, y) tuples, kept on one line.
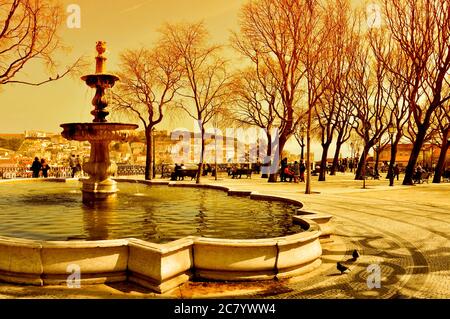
[(396, 171), (302, 171), (36, 167), (418, 174), (284, 163), (44, 167)]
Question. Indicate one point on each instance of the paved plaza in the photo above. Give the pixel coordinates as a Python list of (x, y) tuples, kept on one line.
[(403, 229)]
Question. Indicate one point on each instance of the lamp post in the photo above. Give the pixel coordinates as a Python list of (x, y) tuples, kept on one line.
[(391, 131), (154, 153)]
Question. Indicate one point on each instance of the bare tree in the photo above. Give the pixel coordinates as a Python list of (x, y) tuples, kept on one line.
[(346, 37), (332, 111), (299, 135), (205, 86), (28, 32), (256, 101), (149, 82), (317, 59), (343, 130), (369, 96), (388, 52), (442, 138), (272, 34), (422, 30)]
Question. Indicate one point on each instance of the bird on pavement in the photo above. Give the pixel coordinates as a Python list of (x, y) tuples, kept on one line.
[(341, 267), (355, 255)]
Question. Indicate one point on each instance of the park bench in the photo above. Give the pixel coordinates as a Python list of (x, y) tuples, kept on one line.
[(423, 177), (372, 175), (184, 172), (241, 171)]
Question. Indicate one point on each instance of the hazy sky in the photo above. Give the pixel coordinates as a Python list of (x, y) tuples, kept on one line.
[(122, 24)]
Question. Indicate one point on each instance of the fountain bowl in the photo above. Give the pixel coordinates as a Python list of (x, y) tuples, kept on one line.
[(97, 131), (100, 79)]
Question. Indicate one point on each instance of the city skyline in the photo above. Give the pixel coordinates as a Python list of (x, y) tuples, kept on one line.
[(68, 100)]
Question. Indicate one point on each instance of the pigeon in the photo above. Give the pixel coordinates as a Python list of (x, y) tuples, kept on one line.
[(355, 255), (341, 268)]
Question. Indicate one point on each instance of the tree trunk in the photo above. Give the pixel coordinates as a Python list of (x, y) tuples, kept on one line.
[(335, 165), (377, 161), (308, 154), (441, 162), (148, 153), (215, 158), (265, 168), (323, 162), (202, 153), (273, 177), (394, 148), (409, 171), (360, 171)]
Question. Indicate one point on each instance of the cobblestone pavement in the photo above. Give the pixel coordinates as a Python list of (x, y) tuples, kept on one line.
[(403, 229)]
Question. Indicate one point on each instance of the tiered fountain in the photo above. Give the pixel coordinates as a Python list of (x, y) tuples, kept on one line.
[(99, 187), (202, 249)]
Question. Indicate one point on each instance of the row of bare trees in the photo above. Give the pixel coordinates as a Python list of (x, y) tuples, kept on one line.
[(316, 64), (345, 73), (421, 32), (181, 72)]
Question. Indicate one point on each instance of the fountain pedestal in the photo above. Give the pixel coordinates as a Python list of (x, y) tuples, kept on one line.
[(99, 187)]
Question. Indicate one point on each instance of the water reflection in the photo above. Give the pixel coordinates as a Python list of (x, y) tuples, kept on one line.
[(150, 225), (201, 218), (48, 211), (99, 219), (202, 221)]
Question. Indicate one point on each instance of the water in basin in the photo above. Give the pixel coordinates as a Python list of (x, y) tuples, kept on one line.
[(54, 211)]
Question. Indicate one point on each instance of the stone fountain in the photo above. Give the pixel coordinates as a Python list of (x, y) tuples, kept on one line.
[(99, 187)]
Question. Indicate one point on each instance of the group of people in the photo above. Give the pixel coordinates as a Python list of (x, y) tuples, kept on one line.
[(208, 168), (176, 172), (419, 171), (75, 164), (40, 166), (295, 171)]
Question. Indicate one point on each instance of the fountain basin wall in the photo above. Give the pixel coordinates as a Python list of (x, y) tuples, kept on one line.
[(155, 266), (50, 263), (161, 267), (257, 259)]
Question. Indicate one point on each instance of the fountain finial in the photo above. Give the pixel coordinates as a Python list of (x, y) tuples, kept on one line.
[(100, 81), (100, 58)]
